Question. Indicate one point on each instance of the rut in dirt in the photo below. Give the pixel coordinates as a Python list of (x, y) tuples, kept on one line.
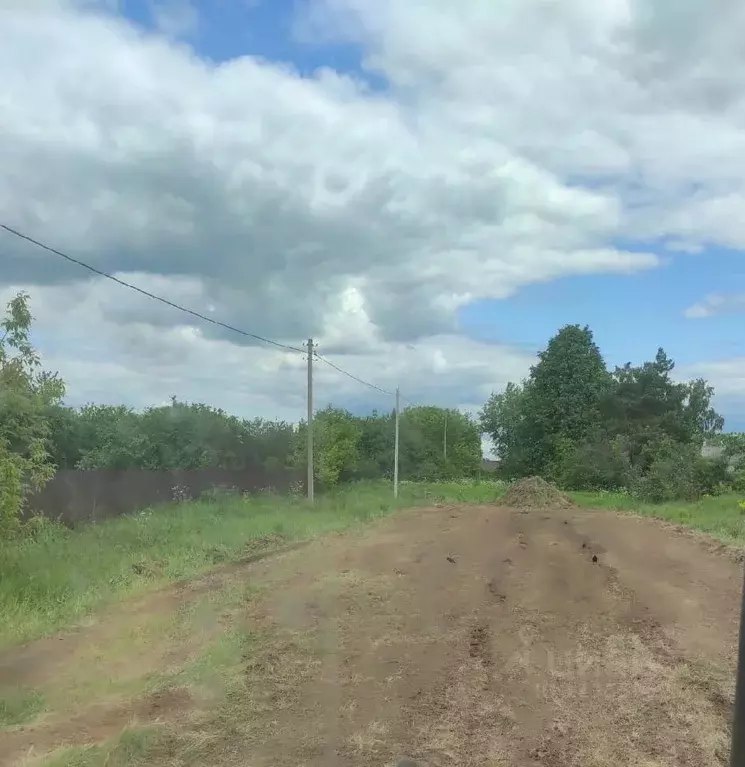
[(514, 638), (485, 636)]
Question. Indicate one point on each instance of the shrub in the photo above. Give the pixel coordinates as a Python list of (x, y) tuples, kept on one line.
[(595, 465)]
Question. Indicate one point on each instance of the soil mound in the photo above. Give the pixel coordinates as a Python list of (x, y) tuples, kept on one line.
[(535, 493)]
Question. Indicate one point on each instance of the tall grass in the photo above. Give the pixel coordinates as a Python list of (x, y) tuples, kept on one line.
[(719, 516), (60, 575)]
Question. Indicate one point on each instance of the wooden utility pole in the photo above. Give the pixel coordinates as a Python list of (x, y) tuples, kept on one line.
[(395, 449), (737, 753), (310, 420), (445, 437)]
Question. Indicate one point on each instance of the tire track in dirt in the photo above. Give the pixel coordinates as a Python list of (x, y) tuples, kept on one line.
[(528, 653), (489, 637)]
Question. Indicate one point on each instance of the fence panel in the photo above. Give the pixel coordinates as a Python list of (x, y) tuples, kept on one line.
[(74, 496)]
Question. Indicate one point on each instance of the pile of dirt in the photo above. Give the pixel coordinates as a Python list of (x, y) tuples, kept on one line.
[(535, 493)]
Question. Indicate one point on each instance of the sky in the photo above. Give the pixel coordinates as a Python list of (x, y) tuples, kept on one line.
[(428, 189)]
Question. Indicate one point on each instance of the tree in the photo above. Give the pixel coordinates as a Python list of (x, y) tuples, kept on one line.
[(586, 428), (26, 393), (566, 388), (347, 447), (559, 405), (503, 418), (336, 445), (651, 410), (438, 443)]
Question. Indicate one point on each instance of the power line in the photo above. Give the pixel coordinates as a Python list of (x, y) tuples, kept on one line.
[(353, 377), (409, 402), (186, 310), (147, 293)]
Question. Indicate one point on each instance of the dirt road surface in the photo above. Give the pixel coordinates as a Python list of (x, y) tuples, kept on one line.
[(461, 636)]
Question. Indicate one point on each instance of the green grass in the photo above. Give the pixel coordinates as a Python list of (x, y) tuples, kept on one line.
[(131, 748), (60, 575), (18, 706), (719, 516)]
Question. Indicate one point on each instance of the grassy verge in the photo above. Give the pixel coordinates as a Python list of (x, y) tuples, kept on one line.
[(719, 516), (61, 575)]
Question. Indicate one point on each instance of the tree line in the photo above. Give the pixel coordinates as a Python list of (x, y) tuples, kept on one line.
[(39, 434), (196, 436), (572, 421), (585, 427)]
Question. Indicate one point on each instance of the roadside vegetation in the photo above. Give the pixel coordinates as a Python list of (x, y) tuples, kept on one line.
[(627, 439), (634, 429), (721, 516), (53, 576)]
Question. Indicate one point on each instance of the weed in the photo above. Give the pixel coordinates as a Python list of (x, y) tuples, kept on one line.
[(719, 515), (58, 576), (131, 748), (19, 706)]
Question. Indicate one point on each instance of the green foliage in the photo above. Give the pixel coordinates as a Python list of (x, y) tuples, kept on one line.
[(438, 444), (26, 392), (176, 436), (190, 436), (337, 436), (649, 408), (672, 472), (434, 444), (18, 706), (585, 428), (732, 443), (737, 480), (59, 574), (562, 404), (597, 464), (503, 418), (718, 515)]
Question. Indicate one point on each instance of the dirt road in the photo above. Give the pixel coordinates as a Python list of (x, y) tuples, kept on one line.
[(472, 636)]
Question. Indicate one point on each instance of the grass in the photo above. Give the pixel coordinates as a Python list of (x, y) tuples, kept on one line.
[(718, 516), (131, 748), (59, 576), (62, 575), (18, 706)]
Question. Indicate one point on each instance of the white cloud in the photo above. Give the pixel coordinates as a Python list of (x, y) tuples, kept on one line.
[(512, 147), (103, 358), (727, 376), (717, 303), (175, 18)]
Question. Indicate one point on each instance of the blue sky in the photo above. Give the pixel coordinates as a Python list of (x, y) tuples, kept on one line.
[(631, 315), (510, 154), (229, 29)]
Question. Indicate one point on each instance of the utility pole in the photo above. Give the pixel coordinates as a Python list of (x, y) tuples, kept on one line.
[(445, 437), (310, 420), (737, 753), (395, 449)]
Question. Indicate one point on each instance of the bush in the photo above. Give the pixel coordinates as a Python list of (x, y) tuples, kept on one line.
[(680, 472), (737, 480), (712, 476), (595, 465)]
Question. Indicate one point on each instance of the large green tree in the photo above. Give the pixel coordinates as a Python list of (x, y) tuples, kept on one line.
[(567, 387), (533, 425), (27, 391), (503, 418), (336, 445), (584, 427), (176, 436), (438, 443), (434, 443), (650, 409)]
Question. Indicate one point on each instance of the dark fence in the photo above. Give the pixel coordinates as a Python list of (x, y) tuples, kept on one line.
[(81, 496)]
